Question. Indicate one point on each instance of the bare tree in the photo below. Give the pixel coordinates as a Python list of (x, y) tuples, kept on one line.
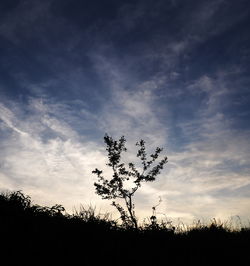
[(115, 188)]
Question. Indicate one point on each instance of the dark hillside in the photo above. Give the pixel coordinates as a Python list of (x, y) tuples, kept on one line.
[(36, 235)]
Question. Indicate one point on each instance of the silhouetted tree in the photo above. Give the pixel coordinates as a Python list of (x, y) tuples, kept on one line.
[(115, 187)]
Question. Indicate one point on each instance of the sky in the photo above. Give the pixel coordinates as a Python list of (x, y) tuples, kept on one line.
[(174, 73)]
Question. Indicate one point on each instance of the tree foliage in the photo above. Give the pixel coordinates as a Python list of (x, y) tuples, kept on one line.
[(115, 188)]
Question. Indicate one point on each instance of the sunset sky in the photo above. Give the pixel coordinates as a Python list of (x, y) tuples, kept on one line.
[(172, 72)]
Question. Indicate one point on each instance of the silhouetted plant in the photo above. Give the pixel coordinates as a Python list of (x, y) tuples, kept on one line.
[(15, 201), (89, 215), (115, 187), (28, 229), (18, 203)]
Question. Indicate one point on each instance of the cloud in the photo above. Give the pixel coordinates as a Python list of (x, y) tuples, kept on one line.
[(148, 80), (58, 166), (212, 162), (44, 155), (48, 155), (130, 111)]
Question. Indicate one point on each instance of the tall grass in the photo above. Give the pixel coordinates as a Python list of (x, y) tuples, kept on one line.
[(34, 234)]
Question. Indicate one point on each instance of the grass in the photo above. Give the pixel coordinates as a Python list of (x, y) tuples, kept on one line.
[(35, 235)]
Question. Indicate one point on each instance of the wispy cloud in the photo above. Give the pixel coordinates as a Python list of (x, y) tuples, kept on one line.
[(48, 152), (158, 72), (47, 157)]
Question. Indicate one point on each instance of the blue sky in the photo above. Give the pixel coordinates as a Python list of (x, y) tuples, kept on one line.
[(175, 73)]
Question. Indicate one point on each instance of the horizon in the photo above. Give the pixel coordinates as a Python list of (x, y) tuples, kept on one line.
[(173, 73)]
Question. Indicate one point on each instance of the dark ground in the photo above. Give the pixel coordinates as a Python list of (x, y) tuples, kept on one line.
[(36, 235)]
